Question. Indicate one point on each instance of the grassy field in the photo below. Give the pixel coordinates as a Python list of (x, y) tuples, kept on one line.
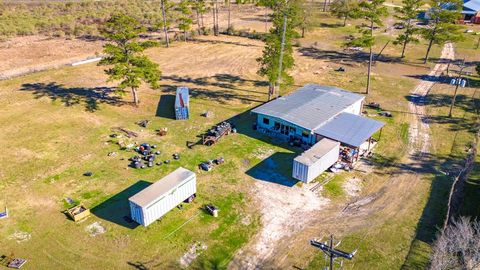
[(56, 126)]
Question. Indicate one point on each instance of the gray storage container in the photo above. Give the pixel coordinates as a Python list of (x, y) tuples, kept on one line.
[(156, 200), (315, 160)]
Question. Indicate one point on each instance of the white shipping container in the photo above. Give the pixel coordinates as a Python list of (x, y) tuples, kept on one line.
[(313, 162), (156, 200)]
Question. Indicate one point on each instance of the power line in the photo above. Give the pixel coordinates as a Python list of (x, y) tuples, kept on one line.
[(331, 251)]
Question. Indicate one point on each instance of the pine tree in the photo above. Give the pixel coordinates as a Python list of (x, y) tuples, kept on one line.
[(124, 53), (344, 9), (285, 20), (373, 12), (443, 29), (185, 20), (407, 14)]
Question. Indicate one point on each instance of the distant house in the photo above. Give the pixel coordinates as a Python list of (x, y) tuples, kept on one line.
[(314, 113), (471, 11)]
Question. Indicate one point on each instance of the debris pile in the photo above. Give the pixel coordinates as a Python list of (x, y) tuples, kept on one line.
[(208, 165), (212, 210), (193, 252), (20, 236), (148, 155), (217, 132), (95, 229), (162, 132), (143, 123)]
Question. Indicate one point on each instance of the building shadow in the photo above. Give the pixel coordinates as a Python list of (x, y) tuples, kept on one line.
[(91, 98), (116, 209), (276, 168), (166, 106)]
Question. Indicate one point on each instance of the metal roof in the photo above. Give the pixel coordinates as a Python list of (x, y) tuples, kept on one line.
[(182, 98), (161, 187), (473, 5), (350, 129), (317, 151), (310, 106)]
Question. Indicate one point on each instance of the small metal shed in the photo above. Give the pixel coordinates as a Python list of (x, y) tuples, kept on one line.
[(156, 200), (182, 102), (316, 160)]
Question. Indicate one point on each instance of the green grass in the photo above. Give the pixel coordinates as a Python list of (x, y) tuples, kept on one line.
[(334, 188)]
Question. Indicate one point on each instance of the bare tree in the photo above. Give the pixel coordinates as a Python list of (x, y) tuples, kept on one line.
[(458, 246)]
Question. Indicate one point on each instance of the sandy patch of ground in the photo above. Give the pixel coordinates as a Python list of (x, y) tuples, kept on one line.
[(22, 55), (95, 229), (285, 210), (193, 252), (20, 236), (353, 186)]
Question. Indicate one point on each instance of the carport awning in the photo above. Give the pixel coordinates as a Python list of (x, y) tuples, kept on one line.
[(349, 129)]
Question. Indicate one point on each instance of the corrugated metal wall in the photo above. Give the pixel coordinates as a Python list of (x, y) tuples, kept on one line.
[(181, 113), (165, 203), (182, 103), (307, 173)]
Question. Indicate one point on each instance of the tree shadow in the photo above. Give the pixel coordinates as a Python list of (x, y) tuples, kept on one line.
[(116, 209), (337, 56), (330, 25), (89, 97), (166, 106), (209, 41), (258, 18), (468, 104), (228, 84)]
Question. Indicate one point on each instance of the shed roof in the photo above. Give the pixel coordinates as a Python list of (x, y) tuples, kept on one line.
[(473, 5), (350, 129), (310, 106), (317, 151), (182, 98), (161, 187)]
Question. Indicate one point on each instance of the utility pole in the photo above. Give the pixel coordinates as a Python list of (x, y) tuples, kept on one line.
[(457, 82), (331, 251), (280, 64)]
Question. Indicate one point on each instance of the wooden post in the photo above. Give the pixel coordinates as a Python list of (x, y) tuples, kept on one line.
[(369, 141)]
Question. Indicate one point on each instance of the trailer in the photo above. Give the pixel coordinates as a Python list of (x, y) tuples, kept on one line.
[(216, 133), (159, 198), (182, 101), (315, 160)]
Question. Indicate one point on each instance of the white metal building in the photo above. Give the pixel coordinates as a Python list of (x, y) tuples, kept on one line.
[(299, 114), (315, 160), (156, 200)]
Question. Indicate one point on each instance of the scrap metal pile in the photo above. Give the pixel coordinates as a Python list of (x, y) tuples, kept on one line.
[(147, 156), (208, 165), (217, 132)]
